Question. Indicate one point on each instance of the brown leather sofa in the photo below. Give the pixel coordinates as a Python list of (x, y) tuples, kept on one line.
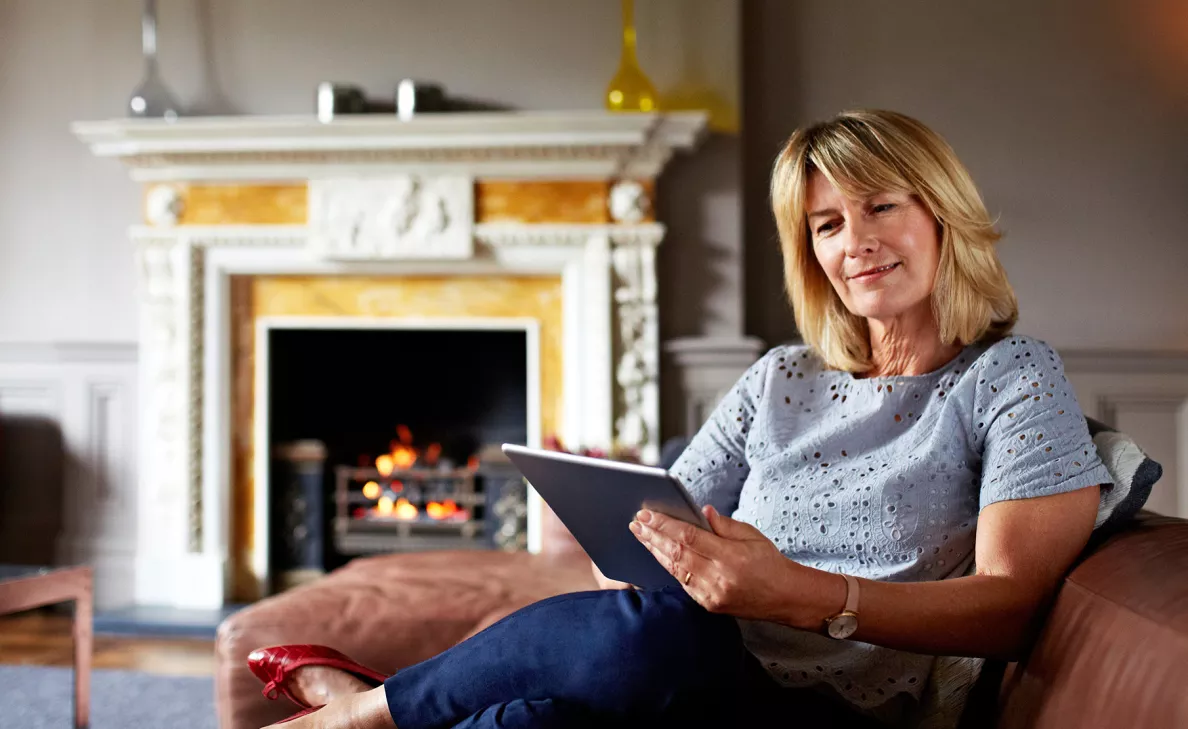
[(1113, 651)]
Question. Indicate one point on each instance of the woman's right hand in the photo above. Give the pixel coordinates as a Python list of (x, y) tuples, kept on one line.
[(606, 583)]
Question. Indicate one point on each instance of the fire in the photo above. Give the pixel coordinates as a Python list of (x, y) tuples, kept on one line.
[(403, 455), (371, 490), (405, 509), (384, 464), (432, 453), (444, 510), (401, 508), (384, 506)]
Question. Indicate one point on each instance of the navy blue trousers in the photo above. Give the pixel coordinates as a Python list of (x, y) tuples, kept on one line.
[(606, 658)]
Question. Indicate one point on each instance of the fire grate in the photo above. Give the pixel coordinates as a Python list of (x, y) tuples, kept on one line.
[(418, 509)]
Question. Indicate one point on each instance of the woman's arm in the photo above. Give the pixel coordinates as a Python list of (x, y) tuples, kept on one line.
[(606, 583), (1023, 550)]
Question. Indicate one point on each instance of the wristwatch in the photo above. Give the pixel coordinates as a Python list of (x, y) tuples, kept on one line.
[(845, 623)]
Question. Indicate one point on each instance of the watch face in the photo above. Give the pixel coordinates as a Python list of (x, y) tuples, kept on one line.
[(843, 626)]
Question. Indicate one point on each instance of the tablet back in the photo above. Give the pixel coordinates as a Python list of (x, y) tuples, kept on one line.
[(596, 499)]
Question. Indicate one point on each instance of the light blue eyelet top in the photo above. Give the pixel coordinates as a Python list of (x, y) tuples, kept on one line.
[(883, 478)]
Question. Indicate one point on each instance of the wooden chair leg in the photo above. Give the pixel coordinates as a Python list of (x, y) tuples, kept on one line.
[(83, 645)]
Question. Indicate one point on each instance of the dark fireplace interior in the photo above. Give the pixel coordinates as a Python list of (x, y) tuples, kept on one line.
[(387, 440)]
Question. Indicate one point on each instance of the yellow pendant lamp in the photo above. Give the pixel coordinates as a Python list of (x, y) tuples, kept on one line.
[(630, 89)]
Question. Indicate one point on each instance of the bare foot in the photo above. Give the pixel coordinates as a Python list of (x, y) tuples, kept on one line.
[(366, 710), (319, 685)]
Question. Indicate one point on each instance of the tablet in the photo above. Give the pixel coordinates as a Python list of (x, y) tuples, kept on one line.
[(596, 499)]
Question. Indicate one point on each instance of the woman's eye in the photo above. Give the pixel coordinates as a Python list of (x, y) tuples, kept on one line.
[(883, 207), (824, 228)]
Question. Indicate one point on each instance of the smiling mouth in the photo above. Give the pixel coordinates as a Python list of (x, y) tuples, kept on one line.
[(874, 272)]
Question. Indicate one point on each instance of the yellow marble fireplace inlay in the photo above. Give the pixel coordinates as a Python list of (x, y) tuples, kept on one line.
[(421, 297), (495, 201)]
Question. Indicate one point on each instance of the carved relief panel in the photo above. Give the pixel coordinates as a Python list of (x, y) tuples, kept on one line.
[(392, 218)]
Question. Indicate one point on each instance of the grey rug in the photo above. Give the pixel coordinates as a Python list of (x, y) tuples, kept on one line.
[(39, 697)]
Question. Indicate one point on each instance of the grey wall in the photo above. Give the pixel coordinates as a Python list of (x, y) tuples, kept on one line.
[(1066, 112), (66, 267)]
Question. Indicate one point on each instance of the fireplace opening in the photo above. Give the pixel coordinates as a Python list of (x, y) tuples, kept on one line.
[(387, 440)]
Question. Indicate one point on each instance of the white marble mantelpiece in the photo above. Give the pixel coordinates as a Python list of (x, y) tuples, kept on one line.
[(519, 145), (385, 197)]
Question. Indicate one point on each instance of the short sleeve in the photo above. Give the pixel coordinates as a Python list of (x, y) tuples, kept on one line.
[(1035, 441), (714, 466)]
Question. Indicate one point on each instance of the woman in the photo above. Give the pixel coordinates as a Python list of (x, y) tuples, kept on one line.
[(911, 482)]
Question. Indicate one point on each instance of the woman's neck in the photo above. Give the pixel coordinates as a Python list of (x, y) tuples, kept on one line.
[(906, 349)]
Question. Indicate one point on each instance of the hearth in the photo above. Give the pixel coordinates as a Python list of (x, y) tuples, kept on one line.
[(387, 440)]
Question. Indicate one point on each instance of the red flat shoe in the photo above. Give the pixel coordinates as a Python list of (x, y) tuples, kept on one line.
[(275, 665), (298, 715)]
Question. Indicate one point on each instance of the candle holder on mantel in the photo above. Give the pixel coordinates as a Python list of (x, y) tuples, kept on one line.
[(151, 99), (630, 89)]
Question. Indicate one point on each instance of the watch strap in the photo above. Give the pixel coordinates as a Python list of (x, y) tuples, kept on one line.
[(851, 594)]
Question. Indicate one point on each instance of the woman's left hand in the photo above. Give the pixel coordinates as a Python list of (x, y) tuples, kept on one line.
[(734, 570)]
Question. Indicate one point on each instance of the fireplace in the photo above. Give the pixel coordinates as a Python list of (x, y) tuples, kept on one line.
[(385, 437), (253, 223)]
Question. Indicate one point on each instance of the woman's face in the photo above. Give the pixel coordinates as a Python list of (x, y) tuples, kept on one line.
[(880, 253)]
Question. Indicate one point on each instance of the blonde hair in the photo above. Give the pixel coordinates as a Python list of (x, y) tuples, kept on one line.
[(863, 153)]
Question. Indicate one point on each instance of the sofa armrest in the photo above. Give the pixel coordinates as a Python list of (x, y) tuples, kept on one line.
[(1114, 649), (385, 612)]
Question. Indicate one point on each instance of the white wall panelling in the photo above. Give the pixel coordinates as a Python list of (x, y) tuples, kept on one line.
[(90, 393), (1146, 396)]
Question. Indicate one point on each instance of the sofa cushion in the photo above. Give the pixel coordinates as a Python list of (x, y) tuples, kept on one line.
[(1134, 474)]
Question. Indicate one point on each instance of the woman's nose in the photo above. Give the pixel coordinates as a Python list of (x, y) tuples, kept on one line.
[(861, 238)]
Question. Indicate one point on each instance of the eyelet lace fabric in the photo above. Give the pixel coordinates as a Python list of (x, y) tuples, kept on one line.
[(883, 478)]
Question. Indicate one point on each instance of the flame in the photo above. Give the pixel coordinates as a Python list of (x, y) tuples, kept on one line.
[(385, 506), (403, 456), (404, 434), (371, 490), (384, 464), (444, 510), (432, 453), (401, 508), (405, 509), (447, 509)]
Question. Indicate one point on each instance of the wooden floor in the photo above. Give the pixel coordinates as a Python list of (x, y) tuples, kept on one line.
[(43, 639)]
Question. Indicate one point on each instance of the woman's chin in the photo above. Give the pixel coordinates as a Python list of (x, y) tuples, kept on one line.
[(881, 306)]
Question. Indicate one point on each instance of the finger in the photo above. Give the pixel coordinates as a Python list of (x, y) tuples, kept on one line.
[(728, 528), (673, 556), (714, 518), (689, 536), (657, 542)]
